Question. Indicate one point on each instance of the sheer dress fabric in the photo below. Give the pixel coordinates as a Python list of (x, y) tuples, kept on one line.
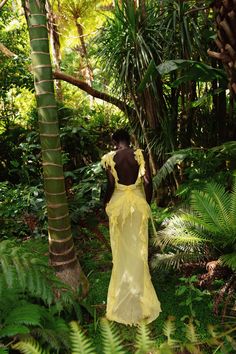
[(131, 296)]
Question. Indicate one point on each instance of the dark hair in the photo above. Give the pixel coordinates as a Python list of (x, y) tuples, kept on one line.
[(121, 135)]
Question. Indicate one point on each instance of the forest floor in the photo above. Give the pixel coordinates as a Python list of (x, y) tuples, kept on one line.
[(96, 260)]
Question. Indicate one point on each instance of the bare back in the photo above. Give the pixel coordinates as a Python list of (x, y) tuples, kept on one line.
[(126, 166)]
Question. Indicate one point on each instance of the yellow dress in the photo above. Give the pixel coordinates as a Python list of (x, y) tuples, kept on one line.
[(131, 296)]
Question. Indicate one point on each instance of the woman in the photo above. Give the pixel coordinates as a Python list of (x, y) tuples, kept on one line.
[(131, 295)]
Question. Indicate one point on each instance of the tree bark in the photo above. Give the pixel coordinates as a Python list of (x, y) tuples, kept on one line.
[(2, 3), (225, 18), (61, 246), (56, 47), (88, 70)]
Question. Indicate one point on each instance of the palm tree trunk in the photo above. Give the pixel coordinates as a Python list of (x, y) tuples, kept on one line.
[(56, 47), (61, 246), (84, 54)]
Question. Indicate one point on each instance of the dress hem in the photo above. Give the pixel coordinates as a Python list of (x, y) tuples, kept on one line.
[(145, 320)]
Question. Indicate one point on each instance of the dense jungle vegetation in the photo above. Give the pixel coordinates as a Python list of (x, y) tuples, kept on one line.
[(71, 73)]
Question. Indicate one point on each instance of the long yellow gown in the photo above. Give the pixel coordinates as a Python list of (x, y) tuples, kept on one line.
[(131, 296)]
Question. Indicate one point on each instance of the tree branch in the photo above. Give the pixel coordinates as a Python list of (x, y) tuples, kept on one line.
[(2, 3), (196, 9), (95, 93), (7, 51)]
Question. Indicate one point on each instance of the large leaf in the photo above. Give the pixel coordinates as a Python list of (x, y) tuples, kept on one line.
[(192, 71)]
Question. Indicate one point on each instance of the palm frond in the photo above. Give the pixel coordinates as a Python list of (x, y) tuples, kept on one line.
[(206, 208), (180, 231), (174, 260), (229, 260), (223, 202), (80, 344), (111, 339), (233, 201), (168, 168), (143, 342)]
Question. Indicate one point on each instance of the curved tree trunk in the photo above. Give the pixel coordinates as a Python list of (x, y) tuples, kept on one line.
[(61, 246)]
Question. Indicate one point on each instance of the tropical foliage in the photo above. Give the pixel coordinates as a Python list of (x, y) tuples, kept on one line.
[(112, 344), (165, 71), (208, 231)]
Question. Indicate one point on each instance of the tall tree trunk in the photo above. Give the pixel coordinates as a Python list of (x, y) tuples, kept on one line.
[(88, 70), (56, 47), (61, 245)]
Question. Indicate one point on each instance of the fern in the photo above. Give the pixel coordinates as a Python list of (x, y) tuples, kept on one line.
[(169, 330), (32, 274), (111, 339), (13, 330), (28, 314), (29, 347), (210, 222), (191, 334), (191, 342), (79, 343), (143, 342)]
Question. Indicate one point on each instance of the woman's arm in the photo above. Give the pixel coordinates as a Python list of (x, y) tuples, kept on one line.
[(110, 187), (148, 187)]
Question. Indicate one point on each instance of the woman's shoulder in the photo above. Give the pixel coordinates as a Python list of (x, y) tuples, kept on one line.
[(107, 159)]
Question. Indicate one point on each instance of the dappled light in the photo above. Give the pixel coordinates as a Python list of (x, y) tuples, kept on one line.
[(118, 243)]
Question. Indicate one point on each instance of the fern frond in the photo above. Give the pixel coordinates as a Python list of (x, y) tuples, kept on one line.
[(80, 344), (13, 330), (229, 260), (191, 334), (193, 349), (111, 339), (8, 270), (28, 314), (29, 347), (54, 341), (143, 342), (22, 271), (168, 330), (165, 349)]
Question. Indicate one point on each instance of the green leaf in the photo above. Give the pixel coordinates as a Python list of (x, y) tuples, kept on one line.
[(29, 347), (151, 69), (28, 314), (12, 330), (143, 342), (111, 339), (80, 344)]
